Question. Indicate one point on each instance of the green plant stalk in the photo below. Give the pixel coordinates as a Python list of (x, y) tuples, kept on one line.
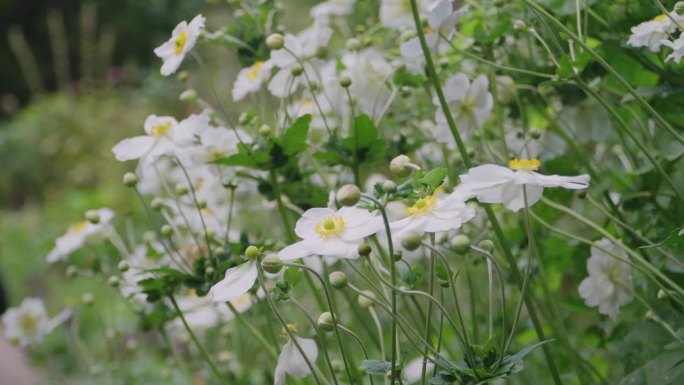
[(360, 343), (254, 331), (431, 284), (199, 345), (176, 356)]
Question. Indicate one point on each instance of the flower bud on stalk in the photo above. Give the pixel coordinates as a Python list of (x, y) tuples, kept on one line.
[(166, 230), (364, 301), (401, 166), (411, 241), (461, 244), (124, 266), (338, 280), (130, 179), (348, 195), (365, 249), (325, 322), (188, 96), (389, 186), (251, 252), (275, 41), (271, 264), (92, 216), (345, 82), (487, 245)]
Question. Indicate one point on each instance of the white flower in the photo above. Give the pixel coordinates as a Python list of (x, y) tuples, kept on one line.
[(677, 48), (442, 20), (492, 183), (332, 8), (609, 284), (29, 322), (330, 233), (396, 14), (251, 79), (470, 105), (201, 314), (413, 371), (77, 235), (651, 33), (432, 214), (237, 281), (164, 137), (292, 362), (183, 38), (369, 72)]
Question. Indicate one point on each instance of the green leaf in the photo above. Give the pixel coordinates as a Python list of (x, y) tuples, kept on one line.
[(376, 368), (294, 140), (365, 132), (523, 352), (434, 177), (293, 276)]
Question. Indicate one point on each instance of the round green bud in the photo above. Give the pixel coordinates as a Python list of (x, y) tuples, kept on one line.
[(149, 236), (519, 25), (411, 241), (345, 82), (322, 52), (338, 280), (157, 204), (271, 264), (181, 189), (88, 299), (123, 266), (297, 70), (275, 41), (460, 243), (183, 75), (679, 8), (662, 294), (282, 285), (130, 179), (337, 366), (114, 281), (188, 96), (71, 271), (487, 245), (224, 357), (365, 249), (92, 216), (325, 322), (252, 252), (581, 194), (398, 255), (265, 130), (209, 271), (399, 166), (405, 91), (166, 230), (244, 118), (201, 204), (407, 35), (360, 29), (228, 183), (535, 133), (353, 44), (366, 299), (348, 195), (389, 186)]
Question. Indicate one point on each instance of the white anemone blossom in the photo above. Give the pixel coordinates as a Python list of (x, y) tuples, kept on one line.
[(609, 284), (165, 136), (677, 47), (292, 362), (396, 14), (431, 214), (413, 371), (492, 183), (77, 235), (330, 233), (332, 8), (470, 105), (250, 79), (183, 38), (652, 33), (29, 322), (442, 21), (370, 72), (237, 281)]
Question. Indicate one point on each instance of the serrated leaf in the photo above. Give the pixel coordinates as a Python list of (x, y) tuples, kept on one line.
[(294, 140), (434, 177), (523, 352)]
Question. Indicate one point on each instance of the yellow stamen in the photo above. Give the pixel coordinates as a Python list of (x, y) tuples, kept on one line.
[(524, 164), (331, 225), (77, 228), (254, 72), (29, 323), (422, 205), (180, 42), (160, 129), (660, 18)]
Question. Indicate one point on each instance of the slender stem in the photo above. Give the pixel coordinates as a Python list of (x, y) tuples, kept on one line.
[(254, 331), (431, 284), (360, 343)]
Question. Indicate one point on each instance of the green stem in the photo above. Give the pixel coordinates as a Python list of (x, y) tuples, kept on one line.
[(254, 331)]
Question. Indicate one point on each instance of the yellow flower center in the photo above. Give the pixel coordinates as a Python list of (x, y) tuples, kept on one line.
[(254, 72), (29, 323), (331, 225), (180, 42), (160, 129), (422, 205), (524, 164), (660, 18), (77, 228)]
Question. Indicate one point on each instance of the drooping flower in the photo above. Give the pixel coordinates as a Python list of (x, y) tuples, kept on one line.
[(677, 47), (29, 322), (77, 235), (442, 21), (609, 284), (432, 214), (237, 281), (492, 183), (330, 233), (470, 105), (183, 38), (292, 362), (652, 33), (250, 79)]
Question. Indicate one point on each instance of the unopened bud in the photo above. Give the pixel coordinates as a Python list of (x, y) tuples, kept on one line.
[(337, 366), (325, 322), (92, 216), (251, 252), (535, 133), (487, 245), (271, 264), (348, 195), (389, 186), (156, 204), (461, 244), (123, 266), (188, 96), (209, 271), (130, 179), (366, 299), (265, 130), (519, 25), (581, 194), (71, 271), (401, 166), (183, 76), (166, 230), (662, 294), (149, 236), (114, 281), (321, 52), (345, 82), (182, 189), (275, 41), (407, 35), (88, 298), (353, 44), (411, 241), (365, 249), (338, 280), (296, 70), (679, 8)]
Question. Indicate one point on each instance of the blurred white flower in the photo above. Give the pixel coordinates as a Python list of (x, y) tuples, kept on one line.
[(432, 214), (77, 235), (251, 79), (442, 21), (651, 33), (609, 284), (29, 322), (470, 105), (237, 281), (413, 371), (201, 314), (492, 183), (396, 14), (332, 8), (183, 38), (677, 48), (292, 362), (330, 233), (370, 72)]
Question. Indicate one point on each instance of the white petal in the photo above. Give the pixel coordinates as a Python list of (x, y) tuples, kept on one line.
[(292, 362), (133, 148), (238, 281)]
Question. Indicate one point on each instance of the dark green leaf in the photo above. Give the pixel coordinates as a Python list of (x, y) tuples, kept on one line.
[(294, 140)]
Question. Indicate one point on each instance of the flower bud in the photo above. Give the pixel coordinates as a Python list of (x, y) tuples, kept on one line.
[(114, 281), (130, 179), (364, 299), (123, 266), (389, 186), (182, 189), (244, 118), (183, 75), (338, 280), (337, 366), (88, 299), (201, 204), (265, 130), (411, 241), (581, 194), (71, 271), (92, 216), (275, 41), (271, 264), (679, 8), (209, 271), (297, 70), (399, 166), (348, 195), (156, 204), (149, 236), (188, 96), (227, 182), (535, 133), (461, 243), (407, 35), (398, 255), (662, 294), (224, 357), (166, 230), (345, 82), (321, 52), (487, 245), (353, 44), (519, 25), (364, 249), (325, 322), (251, 252)]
